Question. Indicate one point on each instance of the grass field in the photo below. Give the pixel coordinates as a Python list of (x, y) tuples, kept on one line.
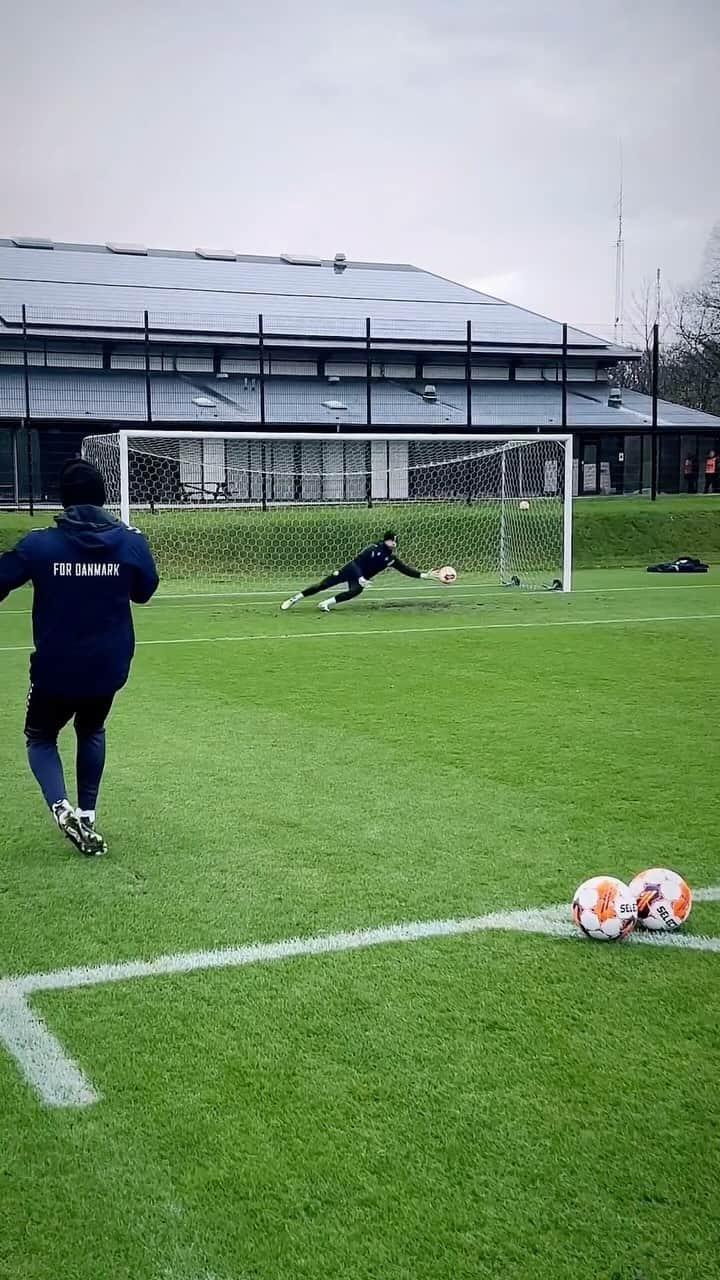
[(607, 532), (496, 1106)]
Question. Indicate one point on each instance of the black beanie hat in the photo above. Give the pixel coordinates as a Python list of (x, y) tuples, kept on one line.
[(81, 485)]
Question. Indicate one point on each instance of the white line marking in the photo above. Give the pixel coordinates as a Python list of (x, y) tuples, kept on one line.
[(707, 895), (189, 598), (322, 633), (54, 1076), (481, 588), (531, 920), (370, 593), (60, 1082), (405, 631), (261, 598), (686, 941)]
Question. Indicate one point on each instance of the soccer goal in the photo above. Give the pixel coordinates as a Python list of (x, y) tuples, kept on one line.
[(232, 508)]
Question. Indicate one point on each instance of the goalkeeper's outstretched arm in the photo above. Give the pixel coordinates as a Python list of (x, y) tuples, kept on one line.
[(409, 572)]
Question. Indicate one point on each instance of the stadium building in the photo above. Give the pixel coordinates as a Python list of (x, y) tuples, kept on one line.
[(98, 337)]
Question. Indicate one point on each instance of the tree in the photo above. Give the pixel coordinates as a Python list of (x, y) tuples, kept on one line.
[(689, 358), (699, 329), (645, 311)]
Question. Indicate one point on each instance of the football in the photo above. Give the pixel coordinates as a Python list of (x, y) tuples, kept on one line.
[(664, 899), (524, 506), (447, 574), (605, 909)]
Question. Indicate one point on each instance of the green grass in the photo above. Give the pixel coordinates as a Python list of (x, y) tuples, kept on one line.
[(614, 532), (497, 1107), (608, 533)]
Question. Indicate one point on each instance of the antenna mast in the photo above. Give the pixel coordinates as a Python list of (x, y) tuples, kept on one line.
[(619, 266), (658, 297)]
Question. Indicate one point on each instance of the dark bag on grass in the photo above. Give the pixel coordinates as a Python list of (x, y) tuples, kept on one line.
[(684, 564)]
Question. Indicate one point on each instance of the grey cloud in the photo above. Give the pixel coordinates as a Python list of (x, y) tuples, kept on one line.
[(478, 139)]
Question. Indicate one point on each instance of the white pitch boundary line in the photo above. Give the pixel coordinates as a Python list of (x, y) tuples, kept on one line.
[(231, 600), (46, 1066), (322, 633), (710, 894), (479, 588), (508, 593), (60, 1082)]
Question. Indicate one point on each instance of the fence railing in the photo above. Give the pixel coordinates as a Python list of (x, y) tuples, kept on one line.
[(65, 374), (137, 367), (32, 457)]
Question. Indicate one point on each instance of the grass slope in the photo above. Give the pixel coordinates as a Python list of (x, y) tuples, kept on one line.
[(617, 532), (607, 533)]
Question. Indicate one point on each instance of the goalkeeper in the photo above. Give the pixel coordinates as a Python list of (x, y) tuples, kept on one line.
[(359, 573)]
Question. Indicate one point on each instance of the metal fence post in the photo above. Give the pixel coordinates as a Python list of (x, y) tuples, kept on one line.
[(31, 485), (655, 377), (15, 466), (26, 367), (263, 465), (468, 373), (368, 372), (148, 387), (564, 406), (261, 349)]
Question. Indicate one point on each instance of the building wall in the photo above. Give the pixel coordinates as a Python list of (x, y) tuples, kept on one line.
[(604, 463)]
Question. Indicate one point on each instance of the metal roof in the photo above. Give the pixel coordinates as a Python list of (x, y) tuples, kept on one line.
[(183, 290), (120, 397)]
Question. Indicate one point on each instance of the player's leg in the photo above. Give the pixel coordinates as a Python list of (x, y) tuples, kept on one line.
[(90, 720), (327, 584), (46, 715), (353, 589)]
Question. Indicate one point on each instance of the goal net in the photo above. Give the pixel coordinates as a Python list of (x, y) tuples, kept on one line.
[(229, 508)]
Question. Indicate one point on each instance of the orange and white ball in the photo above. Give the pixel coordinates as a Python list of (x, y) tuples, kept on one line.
[(605, 909), (664, 899)]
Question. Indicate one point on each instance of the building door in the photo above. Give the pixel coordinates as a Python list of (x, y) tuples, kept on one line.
[(589, 469), (612, 464)]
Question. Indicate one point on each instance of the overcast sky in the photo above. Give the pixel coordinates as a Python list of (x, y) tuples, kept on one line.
[(478, 138)]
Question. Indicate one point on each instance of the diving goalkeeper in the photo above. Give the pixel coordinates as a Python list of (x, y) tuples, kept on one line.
[(359, 573)]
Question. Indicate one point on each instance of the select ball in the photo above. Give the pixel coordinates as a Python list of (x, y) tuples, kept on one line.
[(605, 909), (524, 506), (448, 574), (664, 899)]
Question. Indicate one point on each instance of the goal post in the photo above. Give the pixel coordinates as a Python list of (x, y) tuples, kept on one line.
[(250, 507)]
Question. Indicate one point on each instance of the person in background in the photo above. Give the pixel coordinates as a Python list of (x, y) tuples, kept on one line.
[(711, 472), (690, 473), (84, 573)]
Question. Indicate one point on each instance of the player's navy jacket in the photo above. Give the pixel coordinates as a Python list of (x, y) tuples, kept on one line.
[(84, 572), (374, 559)]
